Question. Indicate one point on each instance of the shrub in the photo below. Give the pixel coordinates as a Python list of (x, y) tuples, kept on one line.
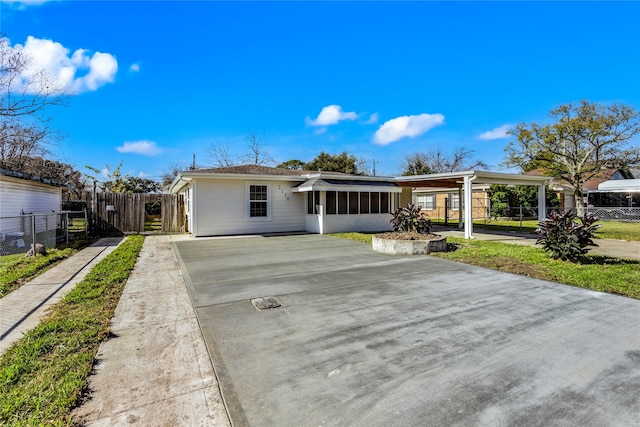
[(409, 219), (565, 237)]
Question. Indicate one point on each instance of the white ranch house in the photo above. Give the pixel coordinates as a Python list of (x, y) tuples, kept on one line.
[(257, 199)]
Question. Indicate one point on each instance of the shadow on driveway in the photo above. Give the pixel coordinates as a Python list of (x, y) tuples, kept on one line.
[(366, 339)]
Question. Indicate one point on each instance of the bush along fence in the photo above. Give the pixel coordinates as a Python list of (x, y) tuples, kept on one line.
[(18, 234)]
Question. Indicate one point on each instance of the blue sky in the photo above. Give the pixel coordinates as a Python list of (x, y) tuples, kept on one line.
[(157, 81)]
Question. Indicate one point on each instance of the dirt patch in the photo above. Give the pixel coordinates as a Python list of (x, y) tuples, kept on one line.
[(408, 236), (515, 266)]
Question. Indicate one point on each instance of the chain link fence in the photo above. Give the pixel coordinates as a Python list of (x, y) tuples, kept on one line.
[(19, 233), (615, 214)]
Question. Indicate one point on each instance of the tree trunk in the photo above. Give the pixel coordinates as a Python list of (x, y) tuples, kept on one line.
[(577, 197)]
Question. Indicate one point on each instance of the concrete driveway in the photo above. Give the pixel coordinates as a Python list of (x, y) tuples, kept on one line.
[(366, 339)]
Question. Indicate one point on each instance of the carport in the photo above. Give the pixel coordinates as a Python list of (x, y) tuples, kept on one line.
[(464, 182)]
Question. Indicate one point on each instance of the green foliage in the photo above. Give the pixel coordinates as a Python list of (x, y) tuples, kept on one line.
[(416, 164), (580, 142), (343, 162), (293, 164), (409, 219), (42, 376), (564, 237), (505, 196), (117, 183)]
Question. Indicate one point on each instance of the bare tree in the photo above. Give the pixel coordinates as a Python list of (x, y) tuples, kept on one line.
[(258, 153), (25, 98), (436, 161), (169, 173), (220, 155)]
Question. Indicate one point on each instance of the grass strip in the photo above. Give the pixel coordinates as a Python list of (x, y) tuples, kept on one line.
[(42, 376), (618, 230), (599, 273), (16, 270)]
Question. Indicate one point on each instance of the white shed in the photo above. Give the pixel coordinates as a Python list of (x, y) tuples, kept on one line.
[(21, 194)]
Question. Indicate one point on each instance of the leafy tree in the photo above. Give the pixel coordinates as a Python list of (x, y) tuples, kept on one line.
[(117, 183), (342, 162), (293, 164), (435, 161), (416, 164), (581, 141), (503, 197)]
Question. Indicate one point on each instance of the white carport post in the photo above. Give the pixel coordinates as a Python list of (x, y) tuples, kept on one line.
[(468, 208), (542, 203)]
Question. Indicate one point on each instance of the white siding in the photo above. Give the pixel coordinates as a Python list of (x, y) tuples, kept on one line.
[(221, 206), (19, 196)]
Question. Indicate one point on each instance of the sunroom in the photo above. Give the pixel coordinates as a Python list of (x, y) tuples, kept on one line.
[(359, 203)]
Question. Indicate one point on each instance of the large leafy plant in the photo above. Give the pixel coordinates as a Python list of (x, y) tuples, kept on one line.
[(409, 219), (567, 236)]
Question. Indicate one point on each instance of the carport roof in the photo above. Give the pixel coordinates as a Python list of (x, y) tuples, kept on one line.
[(456, 179)]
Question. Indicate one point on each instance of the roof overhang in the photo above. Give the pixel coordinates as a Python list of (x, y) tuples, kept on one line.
[(347, 184), (620, 185), (450, 180)]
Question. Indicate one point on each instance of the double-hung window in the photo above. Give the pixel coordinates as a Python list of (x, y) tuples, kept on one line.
[(426, 201), (258, 201)]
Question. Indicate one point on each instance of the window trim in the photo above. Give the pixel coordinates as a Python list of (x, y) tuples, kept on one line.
[(248, 201), (426, 203)]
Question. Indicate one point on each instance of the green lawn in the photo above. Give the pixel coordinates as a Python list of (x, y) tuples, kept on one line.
[(600, 273), (609, 230), (15, 270), (43, 375)]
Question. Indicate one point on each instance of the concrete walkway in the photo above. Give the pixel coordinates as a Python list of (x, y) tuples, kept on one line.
[(155, 371), (23, 308)]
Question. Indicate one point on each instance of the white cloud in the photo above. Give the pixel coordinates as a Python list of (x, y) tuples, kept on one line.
[(135, 67), (406, 126), (497, 133), (331, 115), (80, 72), (373, 119), (144, 147), (22, 4)]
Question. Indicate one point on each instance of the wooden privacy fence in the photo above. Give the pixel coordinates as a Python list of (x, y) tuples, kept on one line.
[(125, 213)]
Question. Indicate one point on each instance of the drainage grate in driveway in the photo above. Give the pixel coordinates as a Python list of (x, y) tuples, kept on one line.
[(265, 303)]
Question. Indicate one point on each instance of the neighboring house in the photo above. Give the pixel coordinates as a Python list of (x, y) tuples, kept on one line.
[(434, 203), (258, 199), (564, 190)]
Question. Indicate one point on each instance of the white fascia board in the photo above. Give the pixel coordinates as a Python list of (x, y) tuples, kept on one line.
[(328, 175), (354, 188), (179, 182), (510, 178), (244, 177), (435, 176)]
